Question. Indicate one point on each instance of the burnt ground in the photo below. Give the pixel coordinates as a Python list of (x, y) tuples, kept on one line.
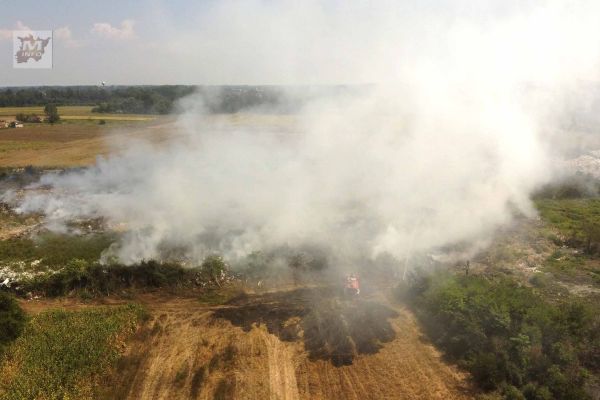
[(331, 326)]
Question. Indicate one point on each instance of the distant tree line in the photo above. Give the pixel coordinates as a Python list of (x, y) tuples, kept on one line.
[(119, 99), (162, 99), (142, 99)]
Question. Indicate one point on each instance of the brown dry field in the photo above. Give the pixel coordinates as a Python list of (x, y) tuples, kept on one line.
[(72, 144), (188, 350), (79, 143)]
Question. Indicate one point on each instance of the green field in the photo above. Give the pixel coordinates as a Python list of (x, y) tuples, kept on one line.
[(66, 354), (576, 220), (574, 226)]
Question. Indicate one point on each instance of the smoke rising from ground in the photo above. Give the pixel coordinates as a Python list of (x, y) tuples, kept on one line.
[(451, 140)]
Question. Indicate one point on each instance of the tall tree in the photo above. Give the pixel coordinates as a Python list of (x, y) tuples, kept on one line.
[(51, 112)]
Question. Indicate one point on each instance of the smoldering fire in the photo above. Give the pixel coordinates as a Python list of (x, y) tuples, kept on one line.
[(451, 139)]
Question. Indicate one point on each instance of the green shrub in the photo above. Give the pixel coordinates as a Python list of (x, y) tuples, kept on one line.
[(12, 319), (539, 280), (512, 393), (507, 336), (214, 269), (531, 391), (94, 278), (487, 372), (65, 280)]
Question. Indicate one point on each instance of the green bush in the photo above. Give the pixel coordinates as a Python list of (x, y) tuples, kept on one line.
[(531, 391), (512, 393), (93, 278), (33, 118), (539, 280), (507, 336), (51, 112), (12, 319), (214, 269)]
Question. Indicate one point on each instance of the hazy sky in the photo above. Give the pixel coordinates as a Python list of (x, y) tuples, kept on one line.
[(238, 42)]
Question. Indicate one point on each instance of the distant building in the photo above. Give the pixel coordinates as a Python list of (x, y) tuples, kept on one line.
[(15, 124)]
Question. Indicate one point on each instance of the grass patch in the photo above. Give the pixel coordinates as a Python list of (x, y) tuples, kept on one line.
[(577, 220), (574, 267), (54, 250), (66, 354), (215, 296), (565, 262), (575, 223)]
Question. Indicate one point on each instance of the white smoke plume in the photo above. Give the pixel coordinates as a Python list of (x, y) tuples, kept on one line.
[(451, 139)]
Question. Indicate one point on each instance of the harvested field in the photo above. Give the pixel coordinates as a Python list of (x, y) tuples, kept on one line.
[(71, 145), (246, 349)]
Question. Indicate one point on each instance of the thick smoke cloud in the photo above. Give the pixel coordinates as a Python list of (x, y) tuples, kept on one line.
[(444, 148)]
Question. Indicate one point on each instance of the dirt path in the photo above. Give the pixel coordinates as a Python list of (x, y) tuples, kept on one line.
[(282, 369), (245, 351)]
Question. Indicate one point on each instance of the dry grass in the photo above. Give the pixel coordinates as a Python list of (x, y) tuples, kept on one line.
[(70, 144), (50, 152), (78, 141), (11, 146), (187, 352), (108, 117)]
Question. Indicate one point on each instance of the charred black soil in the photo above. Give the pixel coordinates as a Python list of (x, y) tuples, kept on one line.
[(331, 326)]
